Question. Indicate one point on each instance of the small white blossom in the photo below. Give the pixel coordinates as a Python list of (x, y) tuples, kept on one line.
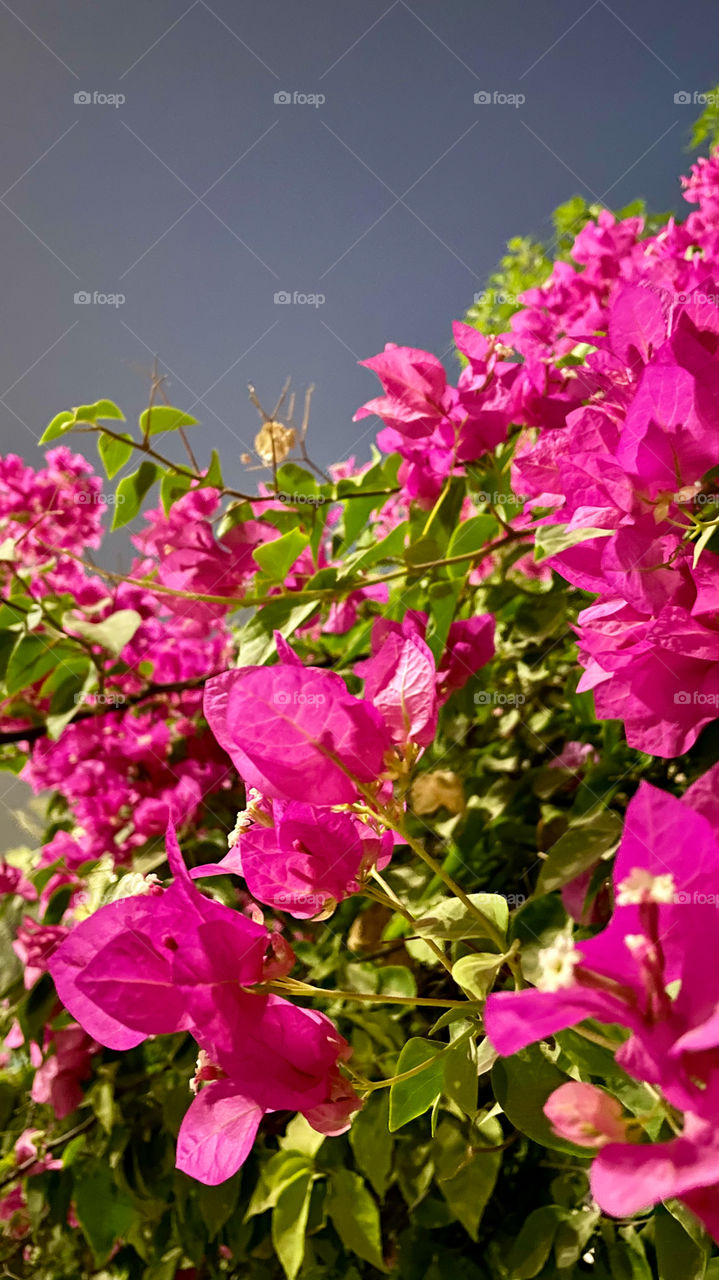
[(557, 964), (641, 886), (134, 885)]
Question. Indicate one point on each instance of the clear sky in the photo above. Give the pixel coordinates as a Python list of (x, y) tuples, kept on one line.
[(381, 188)]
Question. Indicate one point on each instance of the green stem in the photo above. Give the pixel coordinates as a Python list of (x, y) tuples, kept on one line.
[(399, 906), (488, 925), (285, 986), (372, 1085)]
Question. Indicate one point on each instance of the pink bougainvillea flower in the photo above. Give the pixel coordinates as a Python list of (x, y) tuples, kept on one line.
[(584, 1114), (308, 859), (179, 961), (659, 675), (114, 972), (470, 646), (416, 398), (400, 682), (34, 944), (667, 852), (295, 733), (663, 932), (57, 1081), (311, 857), (12, 880), (628, 1177)]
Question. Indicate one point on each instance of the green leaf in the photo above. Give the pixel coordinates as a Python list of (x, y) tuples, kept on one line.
[(460, 1076), (391, 547), (32, 658), (574, 1232), (103, 1210), (452, 920), (131, 490), (521, 1086), (218, 1203), (467, 1191), (301, 1137), (411, 1098), (627, 1258), (679, 1253), (256, 639), (372, 1142), (175, 484), (277, 557), (534, 1243), (61, 423), (475, 973), (114, 453), (578, 849), (355, 1216), (289, 1222), (442, 600), (112, 634), (65, 421), (396, 980), (100, 409), (166, 1267), (468, 537), (550, 539), (213, 476), (279, 1171), (293, 479), (162, 417), (426, 550)]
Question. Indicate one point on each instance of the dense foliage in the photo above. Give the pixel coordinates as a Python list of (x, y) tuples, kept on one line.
[(372, 927)]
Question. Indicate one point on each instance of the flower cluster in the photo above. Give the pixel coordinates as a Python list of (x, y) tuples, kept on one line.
[(650, 971), (177, 961)]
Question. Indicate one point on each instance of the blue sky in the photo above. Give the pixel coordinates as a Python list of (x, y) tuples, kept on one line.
[(201, 197)]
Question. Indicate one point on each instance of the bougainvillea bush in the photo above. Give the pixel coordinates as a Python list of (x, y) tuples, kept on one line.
[(374, 928)]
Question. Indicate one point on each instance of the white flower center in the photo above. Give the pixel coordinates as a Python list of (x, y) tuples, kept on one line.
[(557, 964), (641, 886)]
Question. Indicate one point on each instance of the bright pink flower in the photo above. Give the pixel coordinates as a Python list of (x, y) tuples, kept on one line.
[(12, 881), (470, 646), (295, 733), (400, 682), (179, 961), (586, 1115), (34, 944), (663, 931), (57, 1081), (416, 398), (308, 859)]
